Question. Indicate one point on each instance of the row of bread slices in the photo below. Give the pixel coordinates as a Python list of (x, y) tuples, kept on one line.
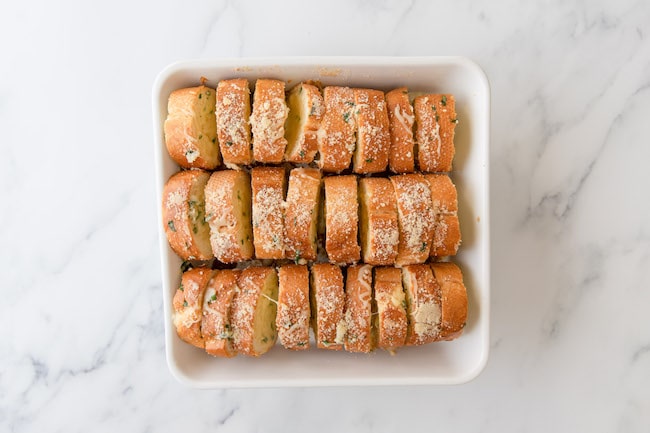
[(233, 311), (235, 215), (371, 130)]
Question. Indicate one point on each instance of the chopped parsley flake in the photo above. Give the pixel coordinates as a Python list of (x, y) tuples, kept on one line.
[(171, 226)]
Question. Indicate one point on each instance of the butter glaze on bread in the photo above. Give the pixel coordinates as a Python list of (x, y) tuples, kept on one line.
[(422, 304), (233, 109), (190, 128), (254, 311), (453, 299), (183, 215), (435, 116), (391, 322), (306, 109), (379, 228), (294, 313), (268, 185), (401, 158), (188, 305), (228, 211), (336, 135), (217, 303), (373, 135), (267, 121), (327, 306), (341, 219), (301, 218), (416, 218), (358, 309)]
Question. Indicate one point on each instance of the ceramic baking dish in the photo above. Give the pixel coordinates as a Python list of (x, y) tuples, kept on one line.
[(452, 362)]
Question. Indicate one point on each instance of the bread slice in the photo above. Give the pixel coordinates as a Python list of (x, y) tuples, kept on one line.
[(267, 121), (373, 134), (341, 219), (233, 109), (358, 309), (183, 214), (379, 229), (416, 218), (294, 313), (217, 303), (254, 311), (447, 235), (268, 186), (306, 109), (188, 303), (327, 306), (191, 129), (401, 157), (301, 218), (453, 300), (336, 134), (228, 207), (422, 304), (391, 322), (436, 120)]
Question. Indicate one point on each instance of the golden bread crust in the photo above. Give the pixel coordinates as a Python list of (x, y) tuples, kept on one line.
[(447, 235), (358, 309), (423, 304), (217, 303), (401, 157), (183, 215), (188, 305), (228, 211), (392, 323), (341, 219), (267, 121), (190, 128), (379, 228), (294, 312), (336, 134), (373, 132), (268, 186), (327, 306), (233, 109), (306, 108), (454, 299), (301, 218), (436, 120)]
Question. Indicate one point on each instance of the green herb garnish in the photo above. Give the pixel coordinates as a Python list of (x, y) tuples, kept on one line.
[(297, 258), (181, 288), (185, 304), (443, 100), (213, 297), (424, 246), (369, 159), (228, 143), (346, 117), (171, 226)]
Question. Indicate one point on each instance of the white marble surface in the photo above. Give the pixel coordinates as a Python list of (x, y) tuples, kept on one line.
[(81, 335)]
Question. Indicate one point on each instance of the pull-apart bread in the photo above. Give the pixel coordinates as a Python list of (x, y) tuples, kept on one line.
[(391, 323), (217, 304), (183, 213), (436, 120), (453, 300), (422, 304), (233, 109), (188, 305), (191, 129), (301, 218), (336, 135), (267, 121), (306, 109), (327, 306), (254, 311), (373, 135), (416, 218), (401, 158), (228, 212), (379, 229), (341, 219), (268, 186), (294, 313), (358, 309), (446, 236)]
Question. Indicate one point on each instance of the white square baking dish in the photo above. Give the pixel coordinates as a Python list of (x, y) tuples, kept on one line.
[(452, 362)]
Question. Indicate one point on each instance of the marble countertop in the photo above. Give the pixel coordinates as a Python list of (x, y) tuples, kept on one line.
[(81, 328)]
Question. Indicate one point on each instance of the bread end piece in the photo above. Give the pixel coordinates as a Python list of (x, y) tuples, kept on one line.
[(436, 119), (422, 304), (188, 305), (453, 299)]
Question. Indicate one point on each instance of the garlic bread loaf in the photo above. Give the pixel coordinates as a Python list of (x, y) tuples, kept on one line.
[(184, 217), (228, 212), (267, 121), (401, 157), (294, 313), (268, 186), (233, 110), (306, 109), (190, 128)]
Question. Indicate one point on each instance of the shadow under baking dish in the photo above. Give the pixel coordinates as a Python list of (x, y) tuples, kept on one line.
[(452, 362)]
